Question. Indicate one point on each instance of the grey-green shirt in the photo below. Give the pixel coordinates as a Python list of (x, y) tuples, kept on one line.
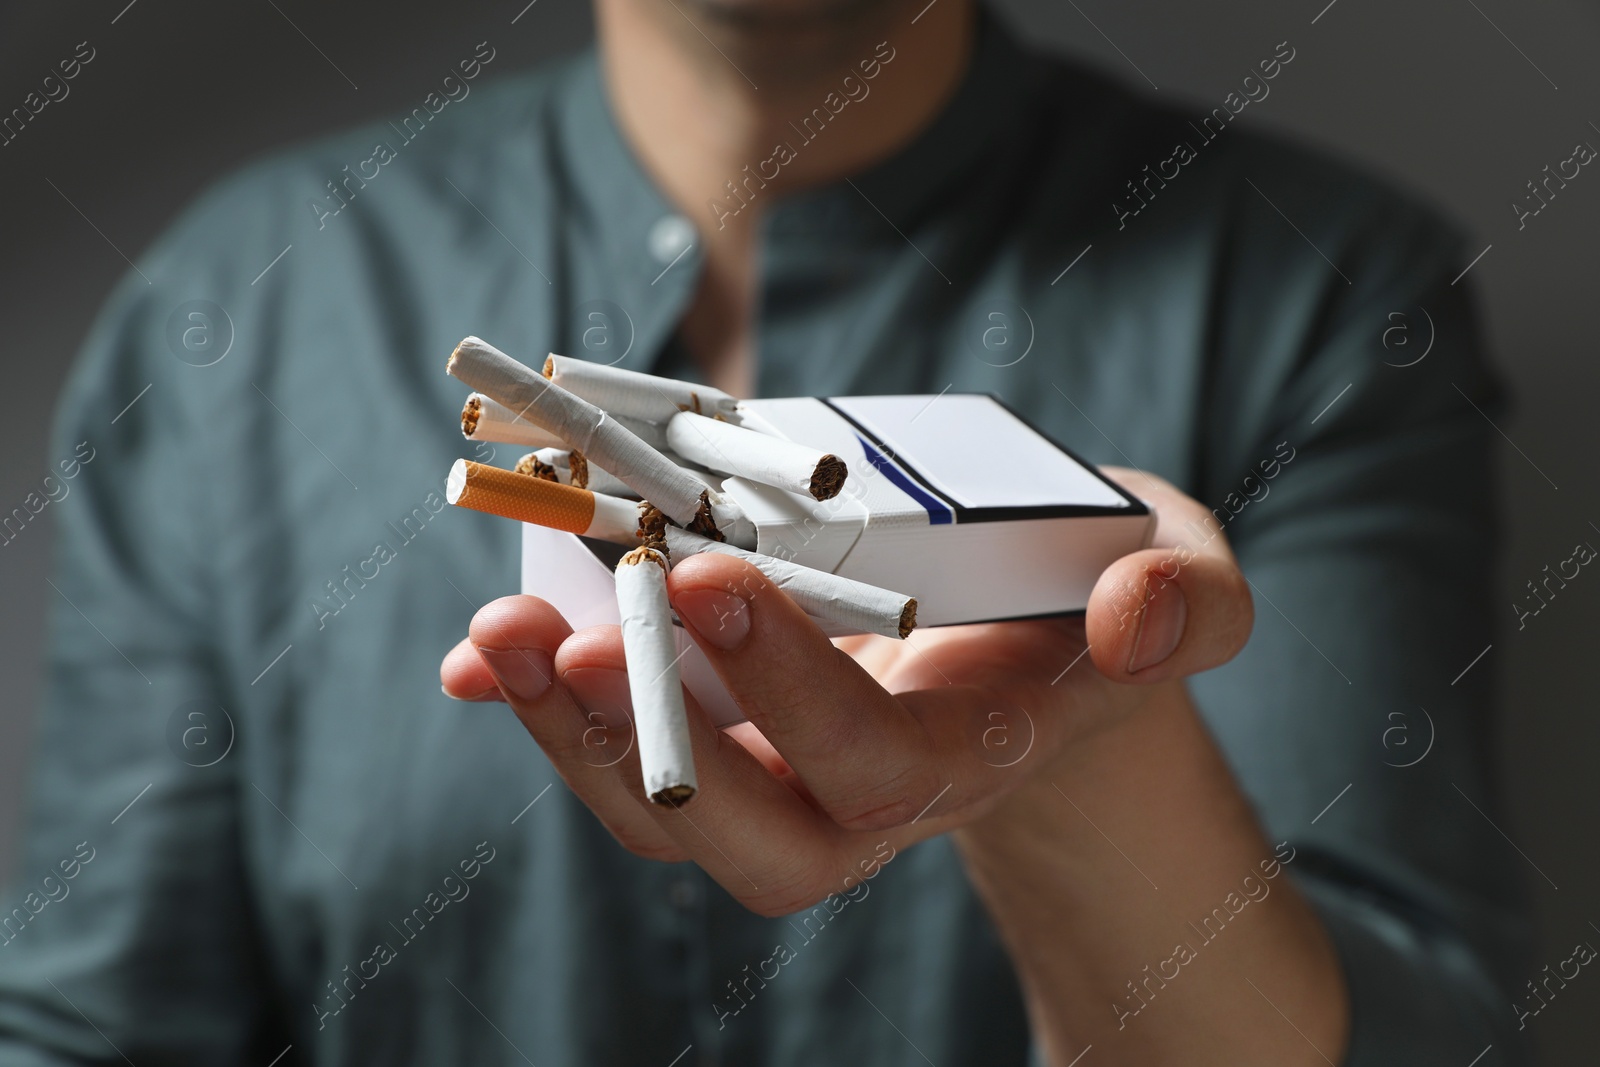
[(293, 838)]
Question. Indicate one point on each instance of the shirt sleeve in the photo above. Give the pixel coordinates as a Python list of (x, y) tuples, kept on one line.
[(127, 935), (1356, 488)]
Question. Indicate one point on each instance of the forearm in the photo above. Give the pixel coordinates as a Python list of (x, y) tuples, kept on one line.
[(1145, 912)]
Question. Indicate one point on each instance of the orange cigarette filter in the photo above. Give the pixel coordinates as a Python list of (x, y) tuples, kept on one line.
[(530, 499)]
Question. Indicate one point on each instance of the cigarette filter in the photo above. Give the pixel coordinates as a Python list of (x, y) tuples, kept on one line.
[(597, 434), (527, 498), (852, 604), (634, 395), (659, 716), (760, 457)]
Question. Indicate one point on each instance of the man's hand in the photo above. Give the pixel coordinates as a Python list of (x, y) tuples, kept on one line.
[(983, 730), (851, 744)]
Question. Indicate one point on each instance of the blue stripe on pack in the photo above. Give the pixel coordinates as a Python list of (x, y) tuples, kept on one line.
[(938, 514)]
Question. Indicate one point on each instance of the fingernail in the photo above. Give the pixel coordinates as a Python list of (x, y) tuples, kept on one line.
[(1160, 626), (721, 618), (524, 673), (603, 695), (491, 693)]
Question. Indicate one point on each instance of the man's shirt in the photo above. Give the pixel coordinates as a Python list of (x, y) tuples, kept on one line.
[(295, 839)]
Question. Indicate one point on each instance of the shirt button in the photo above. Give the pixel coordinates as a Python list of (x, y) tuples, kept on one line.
[(681, 894), (671, 237)]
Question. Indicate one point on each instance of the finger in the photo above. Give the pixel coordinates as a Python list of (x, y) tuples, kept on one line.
[(517, 639), (1031, 651), (1180, 518), (754, 835), (464, 676), (750, 738), (1175, 609), (862, 755)]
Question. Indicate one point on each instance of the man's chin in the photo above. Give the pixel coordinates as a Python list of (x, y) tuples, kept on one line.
[(788, 16)]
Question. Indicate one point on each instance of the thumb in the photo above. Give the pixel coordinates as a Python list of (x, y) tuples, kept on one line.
[(1166, 613)]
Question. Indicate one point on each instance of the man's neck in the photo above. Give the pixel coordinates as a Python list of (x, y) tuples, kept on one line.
[(727, 113)]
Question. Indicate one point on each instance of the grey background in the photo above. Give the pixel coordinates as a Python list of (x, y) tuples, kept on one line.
[(1463, 101)]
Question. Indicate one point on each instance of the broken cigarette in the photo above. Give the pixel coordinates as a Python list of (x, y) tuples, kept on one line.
[(485, 419), (573, 468), (636, 395), (659, 716), (820, 594), (757, 456), (534, 466), (528, 498), (599, 435)]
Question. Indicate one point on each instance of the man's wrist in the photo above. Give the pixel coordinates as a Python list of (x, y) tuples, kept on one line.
[(1033, 815), (1095, 871)]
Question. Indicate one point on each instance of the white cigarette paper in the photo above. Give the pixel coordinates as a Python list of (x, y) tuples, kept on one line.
[(659, 716), (822, 595), (635, 395), (648, 432), (757, 456), (486, 419), (584, 426), (574, 468)]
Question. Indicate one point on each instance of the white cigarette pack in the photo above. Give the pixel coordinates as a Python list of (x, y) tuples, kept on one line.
[(953, 499)]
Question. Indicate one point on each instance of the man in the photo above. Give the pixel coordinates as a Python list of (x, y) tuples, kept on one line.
[(996, 843)]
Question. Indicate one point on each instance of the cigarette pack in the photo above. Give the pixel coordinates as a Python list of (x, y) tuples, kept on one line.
[(952, 499)]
